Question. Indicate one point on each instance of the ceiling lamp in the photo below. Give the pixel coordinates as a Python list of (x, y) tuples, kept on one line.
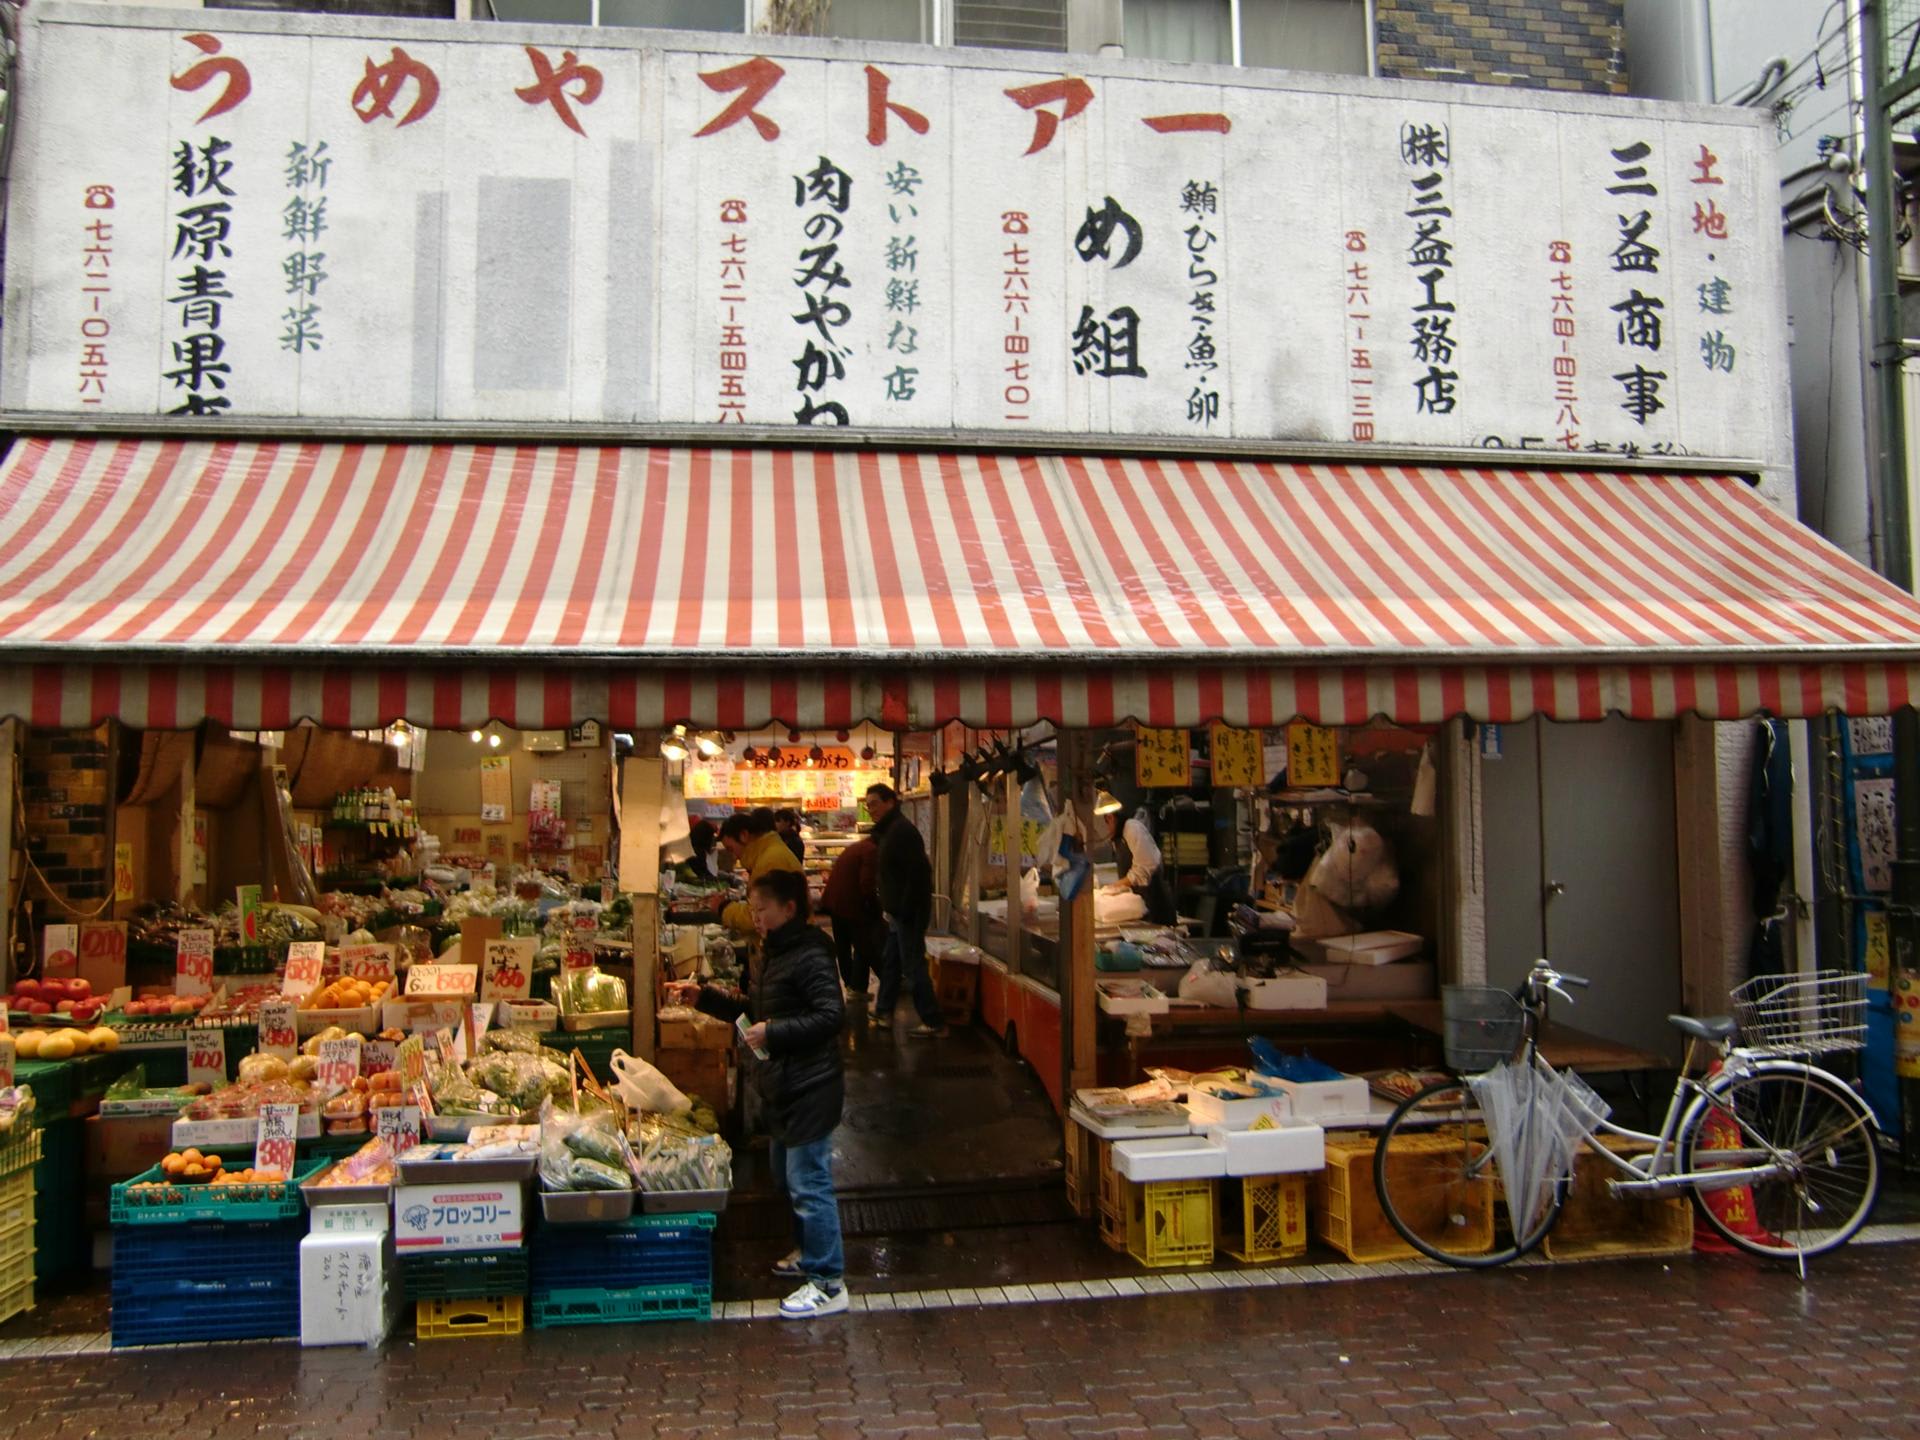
[(866, 754), (749, 756), (494, 741), (816, 757), (711, 744), (475, 736), (674, 744), (1104, 802)]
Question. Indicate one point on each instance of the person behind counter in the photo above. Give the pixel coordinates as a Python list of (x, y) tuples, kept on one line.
[(757, 852), (704, 865), (786, 824), (797, 1013), (1136, 857)]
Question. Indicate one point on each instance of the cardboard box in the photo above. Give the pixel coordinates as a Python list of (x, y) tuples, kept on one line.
[(706, 1073), (436, 1219), (120, 1147), (349, 1290), (350, 1219), (1345, 1099), (682, 1029)]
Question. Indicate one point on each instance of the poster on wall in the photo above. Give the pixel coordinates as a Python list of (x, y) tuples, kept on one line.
[(399, 221)]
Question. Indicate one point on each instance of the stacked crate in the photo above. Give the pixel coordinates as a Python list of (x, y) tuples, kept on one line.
[(649, 1267), (63, 779), (18, 1156)]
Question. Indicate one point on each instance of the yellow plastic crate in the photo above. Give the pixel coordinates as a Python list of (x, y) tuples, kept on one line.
[(1346, 1206), (461, 1319), (1110, 1186), (1263, 1217), (1113, 1231), (1082, 1174), (17, 1270), (1170, 1222), (1594, 1225), (18, 1299)]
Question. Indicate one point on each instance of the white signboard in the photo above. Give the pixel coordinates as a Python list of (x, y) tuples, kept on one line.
[(394, 221)]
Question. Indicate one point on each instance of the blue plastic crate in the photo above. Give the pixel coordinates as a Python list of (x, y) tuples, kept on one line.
[(468, 1275), (648, 1250), (553, 1308), (204, 1247), (175, 1320)]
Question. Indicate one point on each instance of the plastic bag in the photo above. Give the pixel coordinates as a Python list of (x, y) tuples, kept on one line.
[(1356, 870), (1118, 908), (589, 991), (583, 1152), (671, 1157), (523, 1081), (1030, 891), (644, 1088), (1209, 986), (524, 1042)]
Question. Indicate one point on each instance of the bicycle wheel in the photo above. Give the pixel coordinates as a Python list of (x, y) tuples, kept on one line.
[(1439, 1187), (1830, 1176)]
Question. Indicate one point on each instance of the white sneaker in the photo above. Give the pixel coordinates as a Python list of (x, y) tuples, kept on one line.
[(787, 1267), (810, 1302)]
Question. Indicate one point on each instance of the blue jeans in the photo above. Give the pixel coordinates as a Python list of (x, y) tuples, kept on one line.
[(905, 960), (806, 1171)]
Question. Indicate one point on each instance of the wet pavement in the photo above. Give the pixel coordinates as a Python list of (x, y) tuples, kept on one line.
[(1637, 1349)]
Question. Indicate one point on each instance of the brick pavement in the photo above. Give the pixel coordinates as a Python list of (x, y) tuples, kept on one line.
[(1643, 1349)]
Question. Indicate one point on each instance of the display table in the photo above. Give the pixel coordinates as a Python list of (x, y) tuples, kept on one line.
[(1561, 1045)]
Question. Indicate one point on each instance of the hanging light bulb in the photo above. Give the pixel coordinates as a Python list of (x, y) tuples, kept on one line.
[(749, 756), (1104, 802), (475, 736), (866, 754), (711, 744), (494, 741), (674, 744), (816, 757)]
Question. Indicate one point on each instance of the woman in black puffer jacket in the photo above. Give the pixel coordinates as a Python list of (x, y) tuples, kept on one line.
[(798, 1011)]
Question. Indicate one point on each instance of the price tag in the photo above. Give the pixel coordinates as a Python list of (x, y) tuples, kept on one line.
[(373, 963), (413, 1061), (193, 963), (59, 950), (123, 871), (379, 1055), (339, 1065), (306, 959), (508, 972), (1313, 756), (278, 1036), (248, 897), (207, 1058), (6, 1025), (1237, 759), (443, 979), (588, 923), (1162, 759), (399, 1126), (579, 957), (273, 1140), (6, 1059), (103, 954)]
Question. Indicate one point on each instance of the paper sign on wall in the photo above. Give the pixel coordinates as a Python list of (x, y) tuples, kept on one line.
[(103, 954), (496, 789), (306, 960), (248, 897), (339, 1065), (193, 962), (1162, 759), (60, 950), (508, 971), (1313, 756), (278, 1035), (1237, 758), (399, 1126), (443, 979), (274, 1137), (207, 1058), (123, 871), (372, 963)]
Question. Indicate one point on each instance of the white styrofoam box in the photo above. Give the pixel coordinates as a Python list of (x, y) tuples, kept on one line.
[(227, 1134), (1211, 1110), (349, 1289), (1120, 998), (1371, 947), (1288, 1149), (1286, 992), (349, 1219), (1189, 1157), (1314, 1099), (436, 1219), (1093, 1125)]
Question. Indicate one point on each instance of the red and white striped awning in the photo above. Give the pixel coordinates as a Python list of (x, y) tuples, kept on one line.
[(258, 584)]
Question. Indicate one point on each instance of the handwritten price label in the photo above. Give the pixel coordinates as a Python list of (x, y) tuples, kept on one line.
[(273, 1140), (193, 963), (6, 1059), (306, 960), (60, 950), (1313, 756), (103, 954), (508, 972), (399, 1126), (248, 898), (443, 979), (579, 957), (379, 1055), (373, 963), (339, 1065), (1237, 758), (207, 1058), (1162, 759), (278, 1037)]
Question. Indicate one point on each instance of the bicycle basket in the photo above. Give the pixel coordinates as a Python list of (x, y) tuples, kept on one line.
[(1483, 1026), (1803, 1014)]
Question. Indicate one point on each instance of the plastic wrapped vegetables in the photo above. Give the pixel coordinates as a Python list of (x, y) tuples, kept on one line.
[(672, 1157), (523, 1081), (589, 991), (583, 1152)]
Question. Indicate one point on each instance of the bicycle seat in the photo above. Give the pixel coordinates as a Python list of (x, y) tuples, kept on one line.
[(1714, 1029)]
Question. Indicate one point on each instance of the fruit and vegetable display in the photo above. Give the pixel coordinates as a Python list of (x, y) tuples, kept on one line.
[(583, 1151), (348, 994), (72, 997), (175, 1007), (672, 1154), (371, 1164), (590, 991), (64, 1044), (243, 1099)]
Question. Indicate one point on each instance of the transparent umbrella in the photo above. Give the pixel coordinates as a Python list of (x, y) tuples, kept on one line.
[(1537, 1118)]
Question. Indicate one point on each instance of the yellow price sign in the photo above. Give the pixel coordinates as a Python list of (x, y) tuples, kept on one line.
[(1877, 949), (1236, 759), (1313, 755), (1162, 759)]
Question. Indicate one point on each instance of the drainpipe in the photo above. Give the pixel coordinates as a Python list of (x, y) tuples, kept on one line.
[(1372, 22)]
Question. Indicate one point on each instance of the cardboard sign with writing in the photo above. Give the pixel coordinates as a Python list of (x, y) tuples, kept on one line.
[(59, 950), (306, 960), (379, 1055), (1236, 758), (6, 1059), (273, 1139), (496, 790), (123, 871), (372, 963), (399, 1126), (193, 962), (278, 1035), (248, 897), (339, 1065), (508, 971), (207, 1057), (1313, 756), (1162, 759), (579, 955), (103, 954), (444, 979)]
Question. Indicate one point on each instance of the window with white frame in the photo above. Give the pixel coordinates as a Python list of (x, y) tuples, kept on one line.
[(1323, 35), (726, 16)]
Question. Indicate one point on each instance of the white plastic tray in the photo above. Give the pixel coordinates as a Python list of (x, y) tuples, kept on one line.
[(1211, 1110), (1329, 1099), (1189, 1157)]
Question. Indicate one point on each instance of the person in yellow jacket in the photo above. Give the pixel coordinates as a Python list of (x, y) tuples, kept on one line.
[(757, 850)]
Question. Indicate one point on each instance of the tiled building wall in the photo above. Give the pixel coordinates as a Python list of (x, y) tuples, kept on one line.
[(1544, 44)]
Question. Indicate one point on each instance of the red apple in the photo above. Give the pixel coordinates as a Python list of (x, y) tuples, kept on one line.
[(27, 990), (88, 1011), (39, 1007), (79, 988), (65, 1007)]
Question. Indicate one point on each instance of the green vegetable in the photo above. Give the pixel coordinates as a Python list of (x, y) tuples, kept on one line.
[(592, 1143), (585, 1174)]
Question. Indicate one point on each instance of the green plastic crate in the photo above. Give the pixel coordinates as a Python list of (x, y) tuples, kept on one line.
[(174, 1204), (63, 1243), (553, 1308), (52, 1084), (597, 1046)]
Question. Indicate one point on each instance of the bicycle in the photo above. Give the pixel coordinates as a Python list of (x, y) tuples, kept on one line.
[(1764, 1121)]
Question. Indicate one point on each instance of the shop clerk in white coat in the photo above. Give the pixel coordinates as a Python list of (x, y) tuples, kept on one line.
[(1137, 857)]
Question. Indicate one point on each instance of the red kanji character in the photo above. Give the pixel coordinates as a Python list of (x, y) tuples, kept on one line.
[(550, 85), (756, 78), (1073, 95), (1705, 165), (878, 105), (1188, 124), (382, 84), (1709, 220), (239, 82)]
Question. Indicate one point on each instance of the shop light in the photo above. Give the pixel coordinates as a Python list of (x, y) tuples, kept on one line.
[(398, 734), (494, 741), (674, 744), (475, 736), (1104, 802), (711, 744), (866, 754), (816, 757), (749, 756)]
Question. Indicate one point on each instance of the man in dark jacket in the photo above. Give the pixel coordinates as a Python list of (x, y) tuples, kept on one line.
[(906, 896), (852, 899), (797, 1013)]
